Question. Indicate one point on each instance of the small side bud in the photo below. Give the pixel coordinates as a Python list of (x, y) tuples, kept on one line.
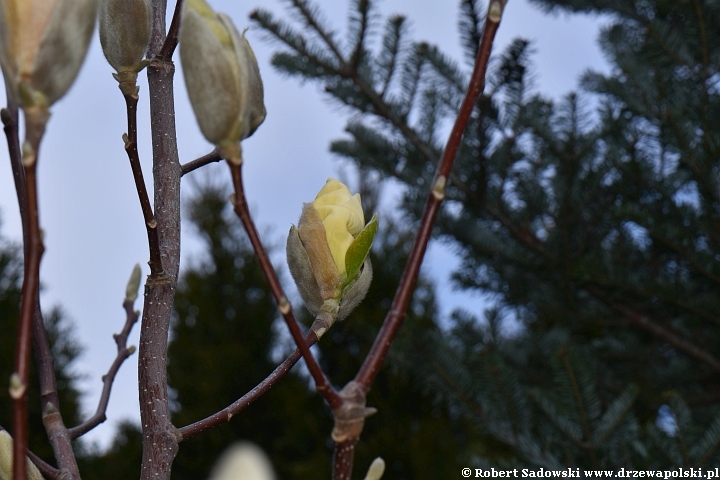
[(376, 470), (6, 459), (17, 388), (131, 349), (133, 285), (244, 461)]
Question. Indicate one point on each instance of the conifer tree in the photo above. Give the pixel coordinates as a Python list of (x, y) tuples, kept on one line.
[(595, 231)]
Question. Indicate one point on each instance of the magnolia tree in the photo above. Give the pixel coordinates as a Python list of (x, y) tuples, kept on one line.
[(42, 46)]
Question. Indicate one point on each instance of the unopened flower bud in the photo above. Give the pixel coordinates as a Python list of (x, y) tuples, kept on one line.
[(328, 252), (42, 46), (6, 460), (133, 285), (125, 27), (376, 470), (222, 77), (243, 461)]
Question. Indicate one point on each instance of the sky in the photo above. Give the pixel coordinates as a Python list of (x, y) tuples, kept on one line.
[(90, 213)]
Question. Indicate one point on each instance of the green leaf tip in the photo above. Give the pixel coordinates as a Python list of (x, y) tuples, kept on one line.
[(359, 249)]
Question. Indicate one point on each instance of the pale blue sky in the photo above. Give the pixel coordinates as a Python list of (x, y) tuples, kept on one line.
[(89, 209)]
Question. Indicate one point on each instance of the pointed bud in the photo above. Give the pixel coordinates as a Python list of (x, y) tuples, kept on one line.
[(133, 285), (6, 459), (244, 461), (376, 470), (42, 46), (125, 27), (328, 252), (222, 77)]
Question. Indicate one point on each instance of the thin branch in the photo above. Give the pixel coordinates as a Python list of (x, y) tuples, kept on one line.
[(396, 315), (131, 317), (35, 121), (160, 437), (243, 212), (206, 159), (171, 41), (646, 323), (50, 403), (131, 101), (55, 428), (224, 415)]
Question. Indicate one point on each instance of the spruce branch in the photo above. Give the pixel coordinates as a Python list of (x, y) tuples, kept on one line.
[(311, 15), (395, 30)]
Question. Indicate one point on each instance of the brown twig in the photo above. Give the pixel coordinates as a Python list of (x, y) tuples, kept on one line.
[(35, 121), (171, 41), (396, 315), (131, 101), (131, 317), (211, 157), (55, 428), (350, 418), (224, 415), (243, 212)]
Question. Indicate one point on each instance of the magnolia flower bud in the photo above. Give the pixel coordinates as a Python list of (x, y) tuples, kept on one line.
[(133, 285), (244, 461), (328, 252), (222, 77), (376, 470), (125, 27), (42, 46), (6, 460)]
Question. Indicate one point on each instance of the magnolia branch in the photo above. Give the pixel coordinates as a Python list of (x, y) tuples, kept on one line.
[(211, 157), (122, 354), (131, 101), (345, 443), (226, 414), (243, 212)]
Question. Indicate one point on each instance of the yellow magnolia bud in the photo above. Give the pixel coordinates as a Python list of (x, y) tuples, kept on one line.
[(6, 460), (243, 461), (342, 216), (125, 27), (328, 252), (133, 285), (376, 470), (222, 77), (42, 46)]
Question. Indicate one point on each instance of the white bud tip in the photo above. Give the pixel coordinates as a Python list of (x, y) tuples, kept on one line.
[(17, 388), (244, 461), (495, 11), (376, 470)]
